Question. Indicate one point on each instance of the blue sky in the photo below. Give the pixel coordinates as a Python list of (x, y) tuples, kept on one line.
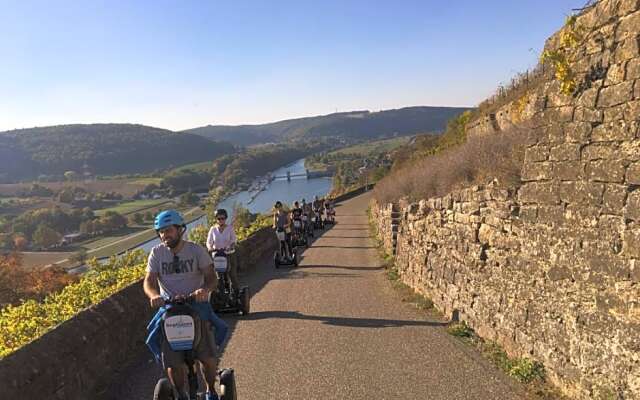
[(181, 64)]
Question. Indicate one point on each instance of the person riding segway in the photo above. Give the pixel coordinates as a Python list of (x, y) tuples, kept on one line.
[(285, 255), (307, 217), (221, 243), (330, 212), (318, 208), (298, 235), (179, 280)]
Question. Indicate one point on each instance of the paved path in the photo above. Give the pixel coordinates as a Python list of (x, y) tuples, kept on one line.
[(335, 329)]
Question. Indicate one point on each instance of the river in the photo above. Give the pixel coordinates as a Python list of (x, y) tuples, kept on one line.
[(280, 189)]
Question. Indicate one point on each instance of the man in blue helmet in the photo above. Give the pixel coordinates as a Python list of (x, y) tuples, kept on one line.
[(175, 268)]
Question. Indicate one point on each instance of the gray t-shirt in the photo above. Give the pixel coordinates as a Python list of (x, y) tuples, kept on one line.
[(281, 220), (183, 276)]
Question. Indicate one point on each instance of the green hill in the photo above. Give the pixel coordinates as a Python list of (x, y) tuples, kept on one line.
[(104, 149), (357, 125)]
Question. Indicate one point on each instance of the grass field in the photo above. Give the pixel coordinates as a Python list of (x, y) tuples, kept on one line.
[(379, 146), (22, 205), (362, 150), (195, 166), (105, 240), (145, 181), (134, 206), (125, 187), (41, 258)]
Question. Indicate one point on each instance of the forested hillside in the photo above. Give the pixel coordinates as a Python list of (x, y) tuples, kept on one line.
[(356, 125), (100, 149)]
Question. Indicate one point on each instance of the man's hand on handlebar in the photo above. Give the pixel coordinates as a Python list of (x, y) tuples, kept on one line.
[(201, 295), (157, 301)]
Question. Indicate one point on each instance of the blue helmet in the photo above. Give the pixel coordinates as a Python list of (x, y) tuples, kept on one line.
[(168, 218)]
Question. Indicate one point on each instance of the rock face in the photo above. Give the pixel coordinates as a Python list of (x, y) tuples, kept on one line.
[(550, 269), (76, 360)]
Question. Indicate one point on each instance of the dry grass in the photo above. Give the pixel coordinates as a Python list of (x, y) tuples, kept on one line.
[(478, 160), (125, 187), (519, 86)]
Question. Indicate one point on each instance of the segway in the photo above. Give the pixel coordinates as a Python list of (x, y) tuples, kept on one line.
[(223, 300), (280, 257), (308, 227), (181, 329), (299, 237), (330, 216), (318, 223)]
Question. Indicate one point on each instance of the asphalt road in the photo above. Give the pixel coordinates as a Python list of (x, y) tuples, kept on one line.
[(334, 328)]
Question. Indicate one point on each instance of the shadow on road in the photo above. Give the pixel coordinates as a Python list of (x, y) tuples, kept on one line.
[(355, 231), (346, 224), (364, 268), (295, 274), (343, 247), (344, 237), (340, 321)]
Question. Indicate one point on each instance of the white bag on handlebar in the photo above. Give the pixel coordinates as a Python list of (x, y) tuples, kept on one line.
[(220, 264), (304, 218), (281, 236), (180, 332), (296, 224)]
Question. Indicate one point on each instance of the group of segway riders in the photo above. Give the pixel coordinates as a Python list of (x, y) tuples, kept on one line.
[(188, 283), (296, 227)]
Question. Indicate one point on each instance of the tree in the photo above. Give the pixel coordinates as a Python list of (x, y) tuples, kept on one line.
[(198, 234), (189, 198), (79, 257), (150, 188), (98, 226), (20, 242), (6, 242), (138, 218), (38, 191), (88, 227), (71, 175), (242, 217), (18, 284), (11, 278), (66, 195), (87, 213), (112, 221), (46, 237)]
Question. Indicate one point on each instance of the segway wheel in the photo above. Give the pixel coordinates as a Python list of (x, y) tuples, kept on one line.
[(227, 385), (276, 260), (245, 301), (295, 258), (163, 390)]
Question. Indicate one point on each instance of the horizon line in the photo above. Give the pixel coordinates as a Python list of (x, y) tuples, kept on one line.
[(232, 125)]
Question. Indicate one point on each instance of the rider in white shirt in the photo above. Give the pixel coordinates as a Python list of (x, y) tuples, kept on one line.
[(221, 236)]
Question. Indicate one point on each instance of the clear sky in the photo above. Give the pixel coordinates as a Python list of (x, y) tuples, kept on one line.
[(181, 64)]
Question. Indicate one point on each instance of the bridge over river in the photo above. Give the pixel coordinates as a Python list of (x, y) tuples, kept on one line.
[(307, 174)]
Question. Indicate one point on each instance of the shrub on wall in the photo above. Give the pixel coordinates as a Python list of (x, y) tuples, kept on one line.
[(20, 325)]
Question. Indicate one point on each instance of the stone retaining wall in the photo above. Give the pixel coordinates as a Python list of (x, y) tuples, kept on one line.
[(550, 269), (539, 284)]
